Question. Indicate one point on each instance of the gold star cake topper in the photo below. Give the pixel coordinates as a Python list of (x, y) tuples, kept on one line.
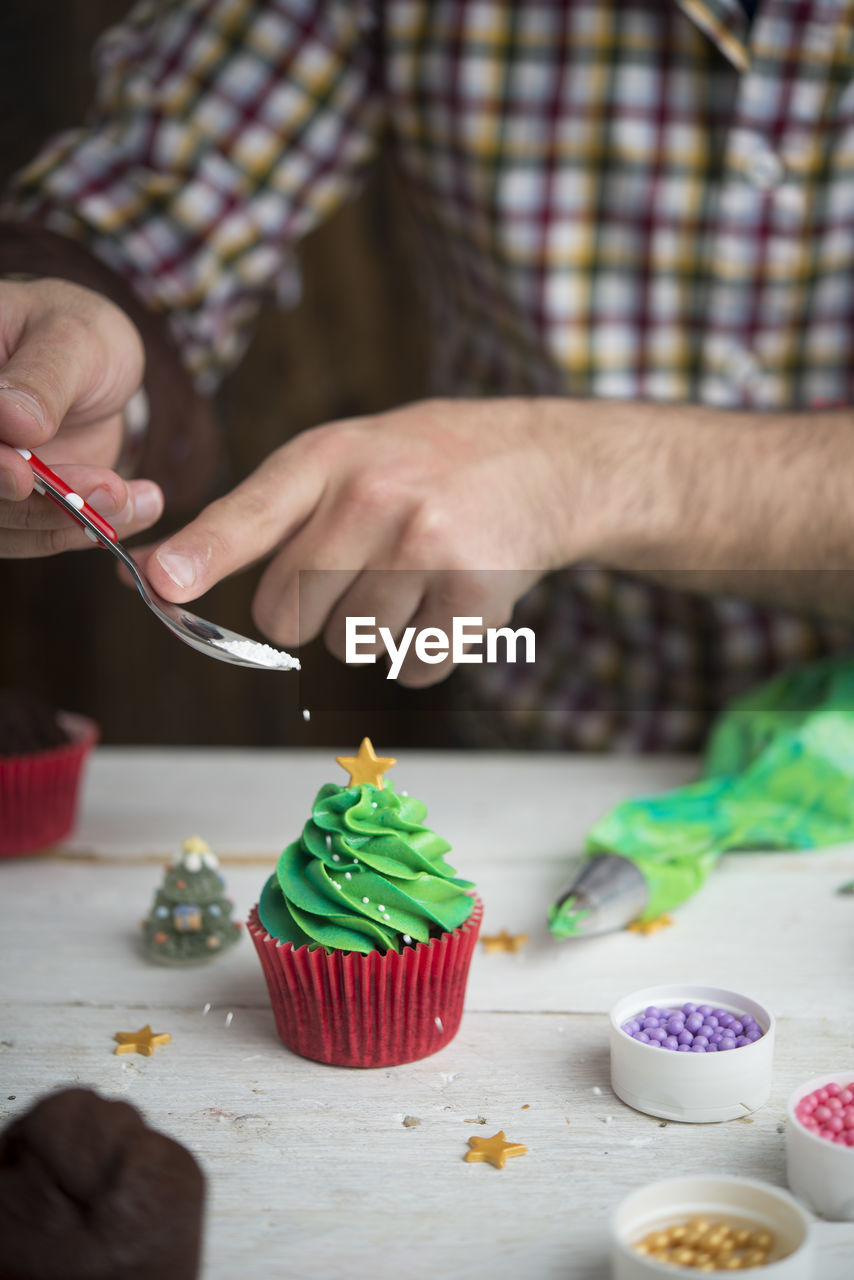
[(504, 941), (367, 766), (494, 1150), (143, 1041)]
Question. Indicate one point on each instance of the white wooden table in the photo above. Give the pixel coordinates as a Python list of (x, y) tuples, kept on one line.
[(311, 1169)]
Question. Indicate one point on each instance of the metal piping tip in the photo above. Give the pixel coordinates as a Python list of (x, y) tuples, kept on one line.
[(607, 894)]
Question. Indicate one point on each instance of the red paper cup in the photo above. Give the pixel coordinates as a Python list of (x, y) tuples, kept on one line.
[(38, 791), (375, 1010)]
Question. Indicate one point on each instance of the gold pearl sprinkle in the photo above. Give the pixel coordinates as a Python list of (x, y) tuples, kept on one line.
[(708, 1246)]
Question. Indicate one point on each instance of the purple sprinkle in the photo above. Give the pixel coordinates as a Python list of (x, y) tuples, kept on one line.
[(693, 1028)]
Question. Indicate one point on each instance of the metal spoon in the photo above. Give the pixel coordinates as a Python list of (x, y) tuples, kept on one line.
[(207, 637)]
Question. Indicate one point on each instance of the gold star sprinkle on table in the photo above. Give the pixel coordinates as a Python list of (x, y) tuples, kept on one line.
[(367, 766), (504, 941), (650, 926), (144, 1041), (494, 1150)]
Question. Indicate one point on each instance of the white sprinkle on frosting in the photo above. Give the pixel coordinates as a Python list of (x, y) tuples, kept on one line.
[(439, 1024), (306, 715), (366, 899), (406, 938), (347, 875), (336, 857)]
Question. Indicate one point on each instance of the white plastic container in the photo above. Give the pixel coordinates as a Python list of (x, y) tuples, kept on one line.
[(740, 1201), (694, 1087), (819, 1172)]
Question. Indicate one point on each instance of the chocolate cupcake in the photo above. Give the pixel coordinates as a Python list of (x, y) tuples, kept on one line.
[(89, 1192), (42, 753)]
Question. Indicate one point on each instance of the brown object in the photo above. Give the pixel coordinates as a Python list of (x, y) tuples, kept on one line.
[(28, 724), (89, 1192)]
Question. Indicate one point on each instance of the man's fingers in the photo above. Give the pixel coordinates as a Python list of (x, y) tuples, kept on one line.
[(78, 358), (240, 528), (38, 527), (391, 597), (16, 475)]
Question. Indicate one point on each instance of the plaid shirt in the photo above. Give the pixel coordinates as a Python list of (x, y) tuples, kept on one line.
[(639, 199)]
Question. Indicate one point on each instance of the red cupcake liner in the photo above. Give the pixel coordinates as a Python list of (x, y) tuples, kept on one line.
[(39, 791), (375, 1010)]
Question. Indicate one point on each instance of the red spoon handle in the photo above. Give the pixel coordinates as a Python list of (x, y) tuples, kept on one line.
[(50, 484)]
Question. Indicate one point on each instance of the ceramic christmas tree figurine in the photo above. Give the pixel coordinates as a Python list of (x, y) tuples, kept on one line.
[(190, 918)]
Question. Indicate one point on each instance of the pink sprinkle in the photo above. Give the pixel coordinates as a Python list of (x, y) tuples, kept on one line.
[(828, 1112)]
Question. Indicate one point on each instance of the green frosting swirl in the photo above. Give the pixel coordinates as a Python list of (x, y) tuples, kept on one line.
[(366, 875)]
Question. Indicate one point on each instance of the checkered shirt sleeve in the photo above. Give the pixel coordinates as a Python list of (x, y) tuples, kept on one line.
[(223, 131)]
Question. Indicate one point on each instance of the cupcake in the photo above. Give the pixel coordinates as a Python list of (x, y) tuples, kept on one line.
[(364, 932), (42, 752), (88, 1191)]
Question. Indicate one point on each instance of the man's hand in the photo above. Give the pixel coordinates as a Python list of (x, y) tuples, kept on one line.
[(473, 500), (69, 362), (460, 498)]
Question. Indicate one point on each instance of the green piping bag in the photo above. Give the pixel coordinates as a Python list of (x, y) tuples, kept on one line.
[(778, 773)]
